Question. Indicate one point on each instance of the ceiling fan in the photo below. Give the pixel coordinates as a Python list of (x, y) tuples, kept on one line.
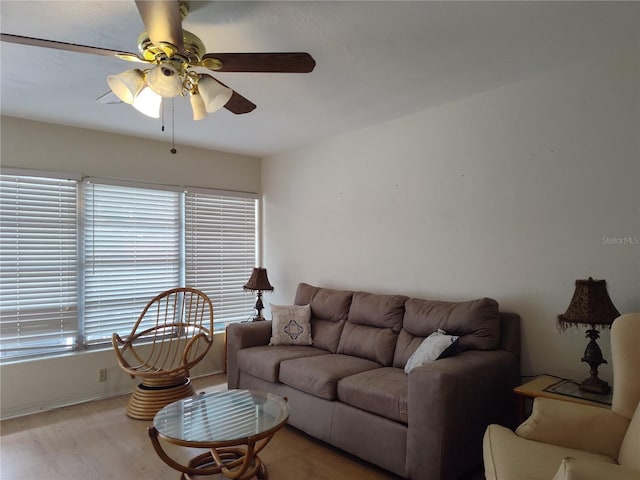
[(176, 63)]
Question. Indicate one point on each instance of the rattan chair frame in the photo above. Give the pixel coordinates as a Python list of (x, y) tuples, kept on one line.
[(176, 333)]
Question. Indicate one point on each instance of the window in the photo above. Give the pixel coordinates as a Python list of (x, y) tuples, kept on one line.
[(220, 234), (131, 254), (38, 266), (69, 281)]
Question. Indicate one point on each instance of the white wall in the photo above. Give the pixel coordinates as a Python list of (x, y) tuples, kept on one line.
[(44, 146), (29, 386), (506, 194)]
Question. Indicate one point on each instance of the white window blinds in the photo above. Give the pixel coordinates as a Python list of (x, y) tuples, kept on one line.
[(68, 280), (220, 237), (38, 276), (139, 242), (131, 252)]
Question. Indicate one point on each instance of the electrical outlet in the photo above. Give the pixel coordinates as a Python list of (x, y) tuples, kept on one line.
[(102, 375)]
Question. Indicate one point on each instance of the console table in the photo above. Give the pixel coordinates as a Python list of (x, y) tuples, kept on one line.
[(233, 425)]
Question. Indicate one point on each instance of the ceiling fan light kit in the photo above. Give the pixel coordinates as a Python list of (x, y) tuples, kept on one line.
[(168, 79)]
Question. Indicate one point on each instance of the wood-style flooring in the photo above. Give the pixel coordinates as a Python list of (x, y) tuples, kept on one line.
[(97, 441)]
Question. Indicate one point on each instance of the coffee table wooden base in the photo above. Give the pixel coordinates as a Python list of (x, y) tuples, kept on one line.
[(226, 456), (240, 462)]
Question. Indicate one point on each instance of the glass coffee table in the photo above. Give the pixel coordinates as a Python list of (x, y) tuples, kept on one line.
[(233, 425)]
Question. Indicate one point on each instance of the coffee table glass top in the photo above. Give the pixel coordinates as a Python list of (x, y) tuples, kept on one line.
[(221, 416)]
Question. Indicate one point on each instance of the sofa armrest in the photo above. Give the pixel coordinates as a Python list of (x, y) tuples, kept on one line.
[(450, 404), (585, 469), (243, 335), (573, 425)]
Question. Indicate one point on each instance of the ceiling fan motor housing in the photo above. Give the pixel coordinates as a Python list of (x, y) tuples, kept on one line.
[(193, 50)]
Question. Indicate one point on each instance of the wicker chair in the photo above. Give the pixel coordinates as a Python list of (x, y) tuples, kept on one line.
[(172, 334)]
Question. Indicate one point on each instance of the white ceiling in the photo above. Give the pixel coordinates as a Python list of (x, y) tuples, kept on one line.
[(375, 61)]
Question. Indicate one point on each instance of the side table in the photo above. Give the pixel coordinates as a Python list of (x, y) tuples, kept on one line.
[(549, 386)]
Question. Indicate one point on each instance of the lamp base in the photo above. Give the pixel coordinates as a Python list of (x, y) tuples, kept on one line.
[(593, 357), (259, 306), (595, 385)]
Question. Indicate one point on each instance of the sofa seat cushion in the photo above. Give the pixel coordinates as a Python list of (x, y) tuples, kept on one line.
[(382, 391), (264, 361), (319, 375), (526, 459)]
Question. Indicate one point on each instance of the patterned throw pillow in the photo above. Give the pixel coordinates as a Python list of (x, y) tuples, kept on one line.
[(435, 346), (291, 325)]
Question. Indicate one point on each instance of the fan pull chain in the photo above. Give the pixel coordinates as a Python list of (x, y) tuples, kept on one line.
[(173, 129), (162, 115), (173, 125)]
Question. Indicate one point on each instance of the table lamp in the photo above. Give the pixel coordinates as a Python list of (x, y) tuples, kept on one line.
[(591, 307), (258, 283)]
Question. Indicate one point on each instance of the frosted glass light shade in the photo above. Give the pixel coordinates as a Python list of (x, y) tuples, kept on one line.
[(214, 95), (197, 105), (126, 85), (148, 102), (164, 80)]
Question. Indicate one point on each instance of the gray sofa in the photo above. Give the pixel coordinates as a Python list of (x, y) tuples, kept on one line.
[(349, 388)]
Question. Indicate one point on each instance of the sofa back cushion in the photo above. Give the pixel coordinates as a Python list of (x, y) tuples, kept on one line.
[(476, 322), (372, 327), (329, 310)]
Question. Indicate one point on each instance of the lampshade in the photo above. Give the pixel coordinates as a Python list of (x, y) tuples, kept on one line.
[(165, 80), (258, 280), (590, 305), (214, 94), (126, 85), (197, 105), (148, 102)]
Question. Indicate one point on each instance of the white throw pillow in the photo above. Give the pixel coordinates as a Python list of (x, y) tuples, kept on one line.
[(291, 325), (435, 346)]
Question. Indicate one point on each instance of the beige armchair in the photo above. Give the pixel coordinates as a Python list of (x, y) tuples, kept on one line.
[(564, 440)]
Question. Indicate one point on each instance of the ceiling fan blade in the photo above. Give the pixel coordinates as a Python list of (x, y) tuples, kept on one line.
[(238, 104), (292, 62), (163, 21), (70, 47)]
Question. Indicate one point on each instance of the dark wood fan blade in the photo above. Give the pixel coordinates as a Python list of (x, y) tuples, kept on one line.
[(163, 21), (238, 104), (70, 47), (292, 62)]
